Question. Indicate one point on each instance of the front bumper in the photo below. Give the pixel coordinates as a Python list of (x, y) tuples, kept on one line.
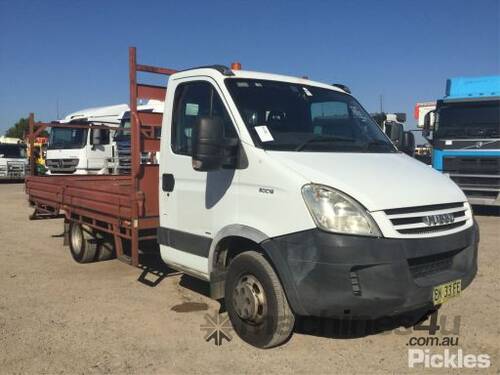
[(332, 275), (12, 176)]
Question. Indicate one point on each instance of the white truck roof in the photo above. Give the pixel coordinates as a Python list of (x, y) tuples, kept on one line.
[(153, 105), (253, 75), (96, 115)]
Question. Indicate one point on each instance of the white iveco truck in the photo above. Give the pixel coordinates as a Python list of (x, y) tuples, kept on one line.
[(71, 150), (287, 197), (282, 193)]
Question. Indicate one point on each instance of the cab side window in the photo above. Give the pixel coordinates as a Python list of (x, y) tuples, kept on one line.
[(103, 134), (192, 100)]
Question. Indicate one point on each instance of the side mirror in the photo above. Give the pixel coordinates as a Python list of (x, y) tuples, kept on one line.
[(97, 137), (429, 121), (208, 144), (396, 133), (401, 117), (408, 144)]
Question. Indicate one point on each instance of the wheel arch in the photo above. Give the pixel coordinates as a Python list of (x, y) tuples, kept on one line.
[(232, 231), (234, 239)]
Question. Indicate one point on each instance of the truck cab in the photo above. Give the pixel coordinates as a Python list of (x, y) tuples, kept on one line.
[(464, 130), (392, 124), (13, 159), (74, 150), (122, 136)]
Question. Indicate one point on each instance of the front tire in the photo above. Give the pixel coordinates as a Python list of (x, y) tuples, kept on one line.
[(256, 303)]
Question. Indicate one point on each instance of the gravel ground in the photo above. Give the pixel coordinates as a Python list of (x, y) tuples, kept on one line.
[(57, 316)]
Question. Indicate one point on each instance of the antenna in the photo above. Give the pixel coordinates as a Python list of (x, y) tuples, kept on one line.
[(57, 108), (381, 98)]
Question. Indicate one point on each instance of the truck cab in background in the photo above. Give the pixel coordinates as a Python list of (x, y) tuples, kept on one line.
[(74, 150), (122, 162), (392, 124), (13, 159), (464, 130)]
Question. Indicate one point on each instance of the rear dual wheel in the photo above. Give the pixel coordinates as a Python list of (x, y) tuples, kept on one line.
[(88, 246)]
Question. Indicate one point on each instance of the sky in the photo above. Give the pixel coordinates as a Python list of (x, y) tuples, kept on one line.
[(57, 57)]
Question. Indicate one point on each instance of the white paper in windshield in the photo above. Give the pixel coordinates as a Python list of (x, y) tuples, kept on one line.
[(308, 93), (264, 133)]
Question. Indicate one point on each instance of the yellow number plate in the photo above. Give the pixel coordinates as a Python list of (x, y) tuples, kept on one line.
[(444, 292)]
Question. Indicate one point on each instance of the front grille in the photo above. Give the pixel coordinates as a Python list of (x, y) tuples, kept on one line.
[(431, 207), (429, 265), (431, 230), (16, 169), (62, 165), (428, 219), (124, 157), (478, 177), (472, 165)]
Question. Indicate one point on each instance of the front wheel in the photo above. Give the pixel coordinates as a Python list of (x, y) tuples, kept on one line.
[(256, 303)]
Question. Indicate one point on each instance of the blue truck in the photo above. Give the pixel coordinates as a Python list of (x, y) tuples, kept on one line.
[(464, 131)]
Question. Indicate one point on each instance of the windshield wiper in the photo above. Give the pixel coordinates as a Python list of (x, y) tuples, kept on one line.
[(321, 138)]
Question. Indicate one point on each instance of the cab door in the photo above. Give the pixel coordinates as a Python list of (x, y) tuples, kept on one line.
[(191, 201), (98, 154)]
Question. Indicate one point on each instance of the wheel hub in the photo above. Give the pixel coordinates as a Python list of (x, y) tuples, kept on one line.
[(249, 299)]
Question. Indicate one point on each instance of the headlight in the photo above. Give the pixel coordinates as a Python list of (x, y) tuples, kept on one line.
[(334, 211)]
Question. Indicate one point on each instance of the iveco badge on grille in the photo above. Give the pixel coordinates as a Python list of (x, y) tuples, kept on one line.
[(442, 219)]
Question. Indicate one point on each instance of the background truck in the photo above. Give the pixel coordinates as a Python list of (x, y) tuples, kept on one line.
[(274, 190), (13, 159), (392, 124), (123, 161), (84, 150), (464, 130), (421, 109)]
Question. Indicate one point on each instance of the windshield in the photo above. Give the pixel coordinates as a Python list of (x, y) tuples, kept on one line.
[(291, 117), (64, 138), (466, 119), (12, 151)]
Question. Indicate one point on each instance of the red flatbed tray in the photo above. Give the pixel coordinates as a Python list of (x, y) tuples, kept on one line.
[(125, 206)]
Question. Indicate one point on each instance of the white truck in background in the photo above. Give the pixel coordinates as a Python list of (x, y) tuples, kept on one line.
[(71, 150), (13, 159), (392, 124)]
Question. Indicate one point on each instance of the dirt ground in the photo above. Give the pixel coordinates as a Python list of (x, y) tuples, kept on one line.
[(57, 316)]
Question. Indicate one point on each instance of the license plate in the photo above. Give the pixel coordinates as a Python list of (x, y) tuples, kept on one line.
[(444, 292)]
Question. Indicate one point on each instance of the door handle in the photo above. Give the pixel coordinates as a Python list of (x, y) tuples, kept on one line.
[(167, 182)]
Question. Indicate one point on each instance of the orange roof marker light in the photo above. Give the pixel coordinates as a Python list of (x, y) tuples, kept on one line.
[(236, 65)]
